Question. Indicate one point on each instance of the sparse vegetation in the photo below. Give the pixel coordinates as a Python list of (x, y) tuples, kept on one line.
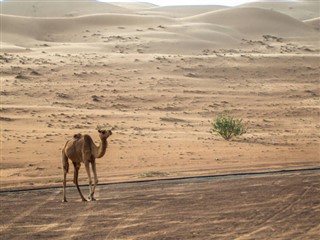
[(228, 126), (154, 174)]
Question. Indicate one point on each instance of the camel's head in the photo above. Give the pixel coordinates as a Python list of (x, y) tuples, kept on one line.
[(104, 134)]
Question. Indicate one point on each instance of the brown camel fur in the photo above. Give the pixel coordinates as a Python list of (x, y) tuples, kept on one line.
[(81, 149)]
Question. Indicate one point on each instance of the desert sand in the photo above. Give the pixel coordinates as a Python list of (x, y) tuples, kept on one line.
[(157, 76)]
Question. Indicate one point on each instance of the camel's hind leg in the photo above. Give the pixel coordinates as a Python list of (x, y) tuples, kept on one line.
[(76, 173), (65, 165)]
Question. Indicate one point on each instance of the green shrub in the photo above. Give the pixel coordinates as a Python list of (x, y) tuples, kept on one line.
[(228, 127)]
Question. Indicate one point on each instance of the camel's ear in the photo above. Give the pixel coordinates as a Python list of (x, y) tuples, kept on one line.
[(99, 130)]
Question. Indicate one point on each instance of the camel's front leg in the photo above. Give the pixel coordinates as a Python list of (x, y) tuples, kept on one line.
[(89, 177), (94, 170)]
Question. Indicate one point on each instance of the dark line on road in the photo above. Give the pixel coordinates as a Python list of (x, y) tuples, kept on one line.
[(178, 179)]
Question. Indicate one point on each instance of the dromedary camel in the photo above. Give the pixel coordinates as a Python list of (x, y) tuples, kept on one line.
[(81, 149)]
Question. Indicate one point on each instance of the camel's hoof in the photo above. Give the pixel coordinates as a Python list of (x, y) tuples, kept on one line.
[(90, 198), (84, 200), (64, 200)]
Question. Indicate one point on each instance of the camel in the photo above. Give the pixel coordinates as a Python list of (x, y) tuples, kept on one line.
[(81, 149)]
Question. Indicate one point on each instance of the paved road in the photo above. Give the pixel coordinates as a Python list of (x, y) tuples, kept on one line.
[(284, 206)]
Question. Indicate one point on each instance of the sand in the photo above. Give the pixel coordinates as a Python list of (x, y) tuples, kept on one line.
[(314, 23), (271, 206), (157, 77), (302, 9)]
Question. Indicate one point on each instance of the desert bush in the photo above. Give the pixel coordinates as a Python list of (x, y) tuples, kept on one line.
[(228, 126)]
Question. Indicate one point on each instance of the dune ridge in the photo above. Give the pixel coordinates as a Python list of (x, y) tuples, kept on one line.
[(182, 11), (134, 5), (314, 23)]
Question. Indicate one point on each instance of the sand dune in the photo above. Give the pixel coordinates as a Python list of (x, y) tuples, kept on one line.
[(216, 35), (314, 23), (301, 10), (182, 11), (254, 21), (41, 28), (60, 8), (221, 28)]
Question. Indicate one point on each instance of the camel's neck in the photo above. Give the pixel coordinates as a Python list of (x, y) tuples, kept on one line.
[(101, 150)]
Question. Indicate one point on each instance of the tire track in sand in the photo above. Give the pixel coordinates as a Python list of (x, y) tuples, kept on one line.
[(25, 214), (73, 231), (263, 226), (129, 219)]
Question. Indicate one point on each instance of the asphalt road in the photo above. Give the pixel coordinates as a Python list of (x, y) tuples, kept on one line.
[(275, 206)]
